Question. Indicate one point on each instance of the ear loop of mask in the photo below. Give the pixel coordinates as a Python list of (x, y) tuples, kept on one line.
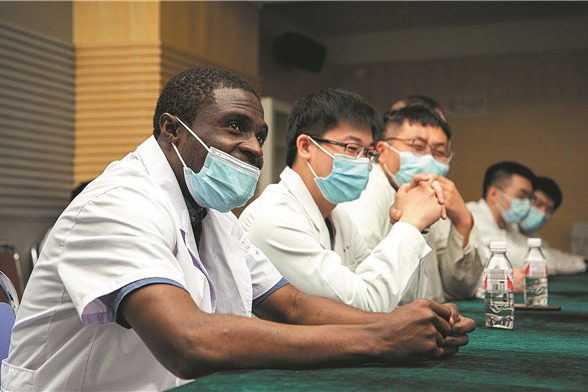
[(193, 134), (385, 166), (323, 150)]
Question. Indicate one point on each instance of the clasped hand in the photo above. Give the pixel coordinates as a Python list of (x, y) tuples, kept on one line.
[(420, 203)]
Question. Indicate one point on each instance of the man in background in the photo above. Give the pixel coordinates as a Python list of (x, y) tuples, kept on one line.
[(547, 199), (417, 141), (507, 193)]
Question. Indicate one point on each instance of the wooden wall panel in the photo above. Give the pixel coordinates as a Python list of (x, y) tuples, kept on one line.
[(117, 89), (115, 22), (173, 61), (220, 33), (118, 60)]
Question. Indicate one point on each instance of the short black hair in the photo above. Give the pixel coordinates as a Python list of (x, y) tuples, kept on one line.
[(323, 110), (501, 172), (417, 100), (186, 91), (551, 189), (416, 114), (429, 103)]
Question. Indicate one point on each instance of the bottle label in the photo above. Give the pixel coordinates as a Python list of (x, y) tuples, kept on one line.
[(536, 269), (498, 280)]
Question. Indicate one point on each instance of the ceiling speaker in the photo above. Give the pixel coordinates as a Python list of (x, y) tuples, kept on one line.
[(299, 51)]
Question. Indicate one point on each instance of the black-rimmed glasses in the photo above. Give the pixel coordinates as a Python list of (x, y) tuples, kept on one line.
[(351, 149), (420, 146)]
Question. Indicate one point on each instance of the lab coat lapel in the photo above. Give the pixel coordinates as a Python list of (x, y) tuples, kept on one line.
[(296, 186)]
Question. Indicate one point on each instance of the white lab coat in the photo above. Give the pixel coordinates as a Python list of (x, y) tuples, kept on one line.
[(130, 223), (558, 262), (448, 271), (286, 224)]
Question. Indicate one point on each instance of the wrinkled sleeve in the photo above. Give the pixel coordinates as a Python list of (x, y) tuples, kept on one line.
[(371, 211), (460, 267), (562, 263), (112, 243), (293, 246)]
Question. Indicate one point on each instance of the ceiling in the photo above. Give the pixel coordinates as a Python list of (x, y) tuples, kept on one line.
[(332, 18)]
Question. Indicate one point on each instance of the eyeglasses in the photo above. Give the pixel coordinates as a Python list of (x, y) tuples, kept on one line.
[(540, 204), (524, 196), (351, 149), (420, 146)]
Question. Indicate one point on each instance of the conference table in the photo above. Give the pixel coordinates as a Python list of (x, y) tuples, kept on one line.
[(546, 350)]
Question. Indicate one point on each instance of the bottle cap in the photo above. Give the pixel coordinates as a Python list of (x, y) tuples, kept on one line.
[(534, 242), (498, 246)]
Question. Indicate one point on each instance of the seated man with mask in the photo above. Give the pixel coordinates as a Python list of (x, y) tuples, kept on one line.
[(547, 199), (316, 246), (506, 200), (416, 141)]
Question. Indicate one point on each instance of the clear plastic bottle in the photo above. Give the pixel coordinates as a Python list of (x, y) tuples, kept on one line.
[(498, 289), (535, 274)]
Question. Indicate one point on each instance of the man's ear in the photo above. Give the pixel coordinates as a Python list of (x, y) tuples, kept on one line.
[(380, 147), (168, 126), (303, 146), (491, 192)]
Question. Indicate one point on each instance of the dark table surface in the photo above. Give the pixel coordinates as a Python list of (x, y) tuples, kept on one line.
[(546, 350)]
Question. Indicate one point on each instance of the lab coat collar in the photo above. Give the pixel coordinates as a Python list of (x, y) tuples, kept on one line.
[(487, 213), (160, 171), (378, 174), (293, 182)]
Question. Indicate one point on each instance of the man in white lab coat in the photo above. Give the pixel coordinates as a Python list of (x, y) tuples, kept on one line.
[(416, 140), (507, 192), (316, 246), (547, 199)]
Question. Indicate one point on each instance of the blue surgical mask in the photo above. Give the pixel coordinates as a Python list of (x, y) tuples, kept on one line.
[(223, 183), (347, 180), (412, 163), (519, 208), (534, 220)]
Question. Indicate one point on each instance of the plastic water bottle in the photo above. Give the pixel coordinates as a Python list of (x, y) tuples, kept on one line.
[(498, 289), (535, 274)]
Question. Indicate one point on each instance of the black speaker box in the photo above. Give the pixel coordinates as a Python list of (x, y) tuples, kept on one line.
[(299, 51)]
